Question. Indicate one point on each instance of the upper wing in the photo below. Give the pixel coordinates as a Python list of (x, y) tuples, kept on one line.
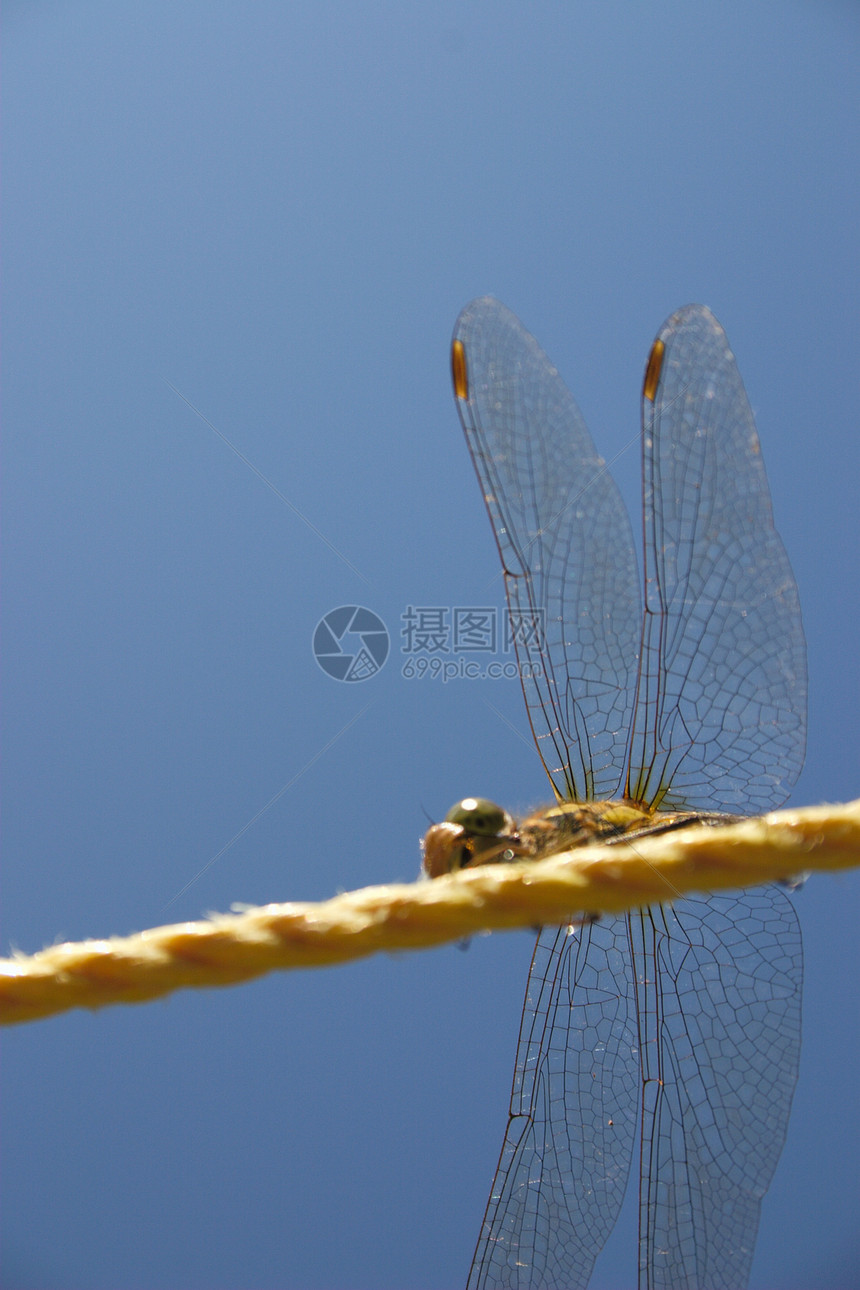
[(566, 546), (720, 717), (566, 1157)]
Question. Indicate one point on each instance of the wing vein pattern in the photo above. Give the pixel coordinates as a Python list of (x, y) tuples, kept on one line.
[(681, 1023)]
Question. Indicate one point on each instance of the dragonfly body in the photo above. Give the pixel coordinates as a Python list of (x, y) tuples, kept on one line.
[(677, 1026), (477, 832)]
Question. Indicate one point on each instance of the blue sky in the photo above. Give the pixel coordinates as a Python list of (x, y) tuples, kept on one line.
[(279, 211)]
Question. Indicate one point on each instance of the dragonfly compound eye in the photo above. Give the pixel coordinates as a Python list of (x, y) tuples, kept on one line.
[(479, 816)]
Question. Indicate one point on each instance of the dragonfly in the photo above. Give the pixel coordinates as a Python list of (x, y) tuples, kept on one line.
[(677, 1027)]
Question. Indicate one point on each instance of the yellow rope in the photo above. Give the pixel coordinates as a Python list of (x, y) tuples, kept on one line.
[(226, 949)]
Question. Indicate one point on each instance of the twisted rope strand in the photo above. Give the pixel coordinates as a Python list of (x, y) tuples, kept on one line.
[(227, 949)]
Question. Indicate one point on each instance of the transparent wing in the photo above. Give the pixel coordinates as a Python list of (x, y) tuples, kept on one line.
[(566, 546), (567, 1152), (720, 1024), (720, 717), (690, 1014), (712, 1061)]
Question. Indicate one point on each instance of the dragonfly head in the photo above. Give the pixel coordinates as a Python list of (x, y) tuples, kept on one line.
[(474, 832)]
